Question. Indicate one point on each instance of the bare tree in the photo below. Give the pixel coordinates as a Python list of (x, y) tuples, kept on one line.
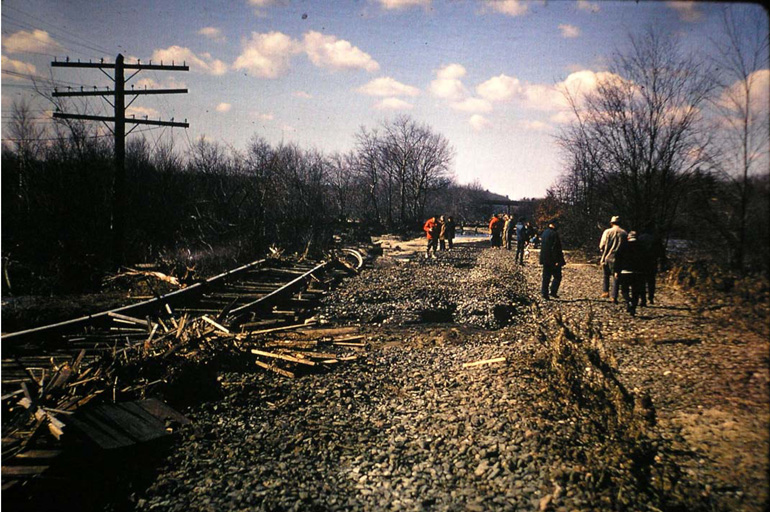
[(741, 150), (638, 135)]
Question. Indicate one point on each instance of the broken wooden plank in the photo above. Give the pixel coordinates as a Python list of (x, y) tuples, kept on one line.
[(216, 324), (126, 318), (330, 331), (23, 470), (277, 329), (275, 369), (39, 454), (299, 344), (484, 362), (282, 356), (349, 338), (346, 344), (316, 355)]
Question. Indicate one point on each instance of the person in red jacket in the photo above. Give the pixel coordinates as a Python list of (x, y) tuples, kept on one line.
[(496, 230), (432, 230)]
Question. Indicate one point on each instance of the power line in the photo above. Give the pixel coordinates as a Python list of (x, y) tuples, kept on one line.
[(29, 76), (143, 130), (59, 33)]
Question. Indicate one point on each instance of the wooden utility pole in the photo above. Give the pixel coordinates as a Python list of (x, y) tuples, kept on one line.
[(119, 121)]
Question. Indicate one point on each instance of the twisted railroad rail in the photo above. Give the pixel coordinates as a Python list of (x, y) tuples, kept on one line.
[(49, 372)]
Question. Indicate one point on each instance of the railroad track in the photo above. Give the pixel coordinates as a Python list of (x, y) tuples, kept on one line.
[(50, 372)]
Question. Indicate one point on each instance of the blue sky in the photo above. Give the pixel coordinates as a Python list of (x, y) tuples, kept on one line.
[(312, 72)]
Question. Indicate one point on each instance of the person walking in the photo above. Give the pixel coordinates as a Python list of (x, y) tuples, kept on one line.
[(507, 231), (432, 231), (552, 259), (450, 232), (521, 241), (609, 245), (629, 270), (654, 252), (496, 230), (442, 234)]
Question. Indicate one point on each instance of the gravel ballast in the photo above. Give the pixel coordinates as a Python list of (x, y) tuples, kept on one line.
[(581, 415)]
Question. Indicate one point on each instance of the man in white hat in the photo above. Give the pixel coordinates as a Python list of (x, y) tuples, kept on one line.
[(609, 245)]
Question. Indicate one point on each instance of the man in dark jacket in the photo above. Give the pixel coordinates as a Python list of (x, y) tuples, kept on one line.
[(521, 241), (630, 262), (552, 259), (654, 253)]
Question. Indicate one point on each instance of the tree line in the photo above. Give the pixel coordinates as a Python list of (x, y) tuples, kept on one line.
[(210, 205), (676, 144)]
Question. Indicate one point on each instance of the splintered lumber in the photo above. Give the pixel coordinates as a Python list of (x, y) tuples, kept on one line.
[(282, 356), (300, 344), (23, 470), (330, 331), (273, 368), (317, 355), (277, 329), (348, 338), (216, 324), (349, 344), (484, 361), (126, 318)]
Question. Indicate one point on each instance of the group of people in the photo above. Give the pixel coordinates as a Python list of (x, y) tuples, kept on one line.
[(502, 231), (628, 260), (441, 233)]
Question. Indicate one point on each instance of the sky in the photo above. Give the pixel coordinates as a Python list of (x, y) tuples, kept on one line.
[(485, 74)]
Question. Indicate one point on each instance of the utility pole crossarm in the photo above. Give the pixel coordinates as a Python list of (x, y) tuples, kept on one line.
[(86, 117), (57, 94), (105, 65), (119, 121)]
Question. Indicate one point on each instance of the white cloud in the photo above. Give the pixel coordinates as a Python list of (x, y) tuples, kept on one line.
[(509, 7), (224, 107), (688, 11), (264, 116), (142, 112), (401, 4), (387, 86), (35, 41), (562, 117), (326, 51), (451, 71), (569, 31), (18, 67), (552, 97), (479, 122), (472, 105), (585, 5), (447, 85), (169, 82), (302, 94), (204, 63), (499, 88), (267, 55), (759, 98), (393, 104), (212, 33), (535, 126)]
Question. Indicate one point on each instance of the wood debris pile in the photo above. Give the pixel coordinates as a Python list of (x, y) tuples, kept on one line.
[(298, 350)]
